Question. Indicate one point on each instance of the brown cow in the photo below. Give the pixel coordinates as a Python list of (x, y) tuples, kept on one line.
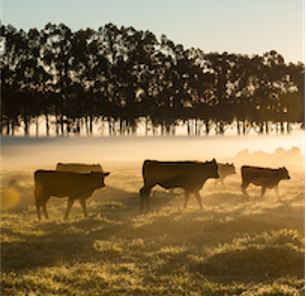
[(264, 177), (65, 184), (188, 175)]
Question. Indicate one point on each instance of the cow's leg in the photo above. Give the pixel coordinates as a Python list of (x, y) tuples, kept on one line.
[(147, 201), (69, 206), (83, 204), (199, 199), (38, 199), (144, 198), (276, 191), (44, 209), (243, 188), (38, 205), (187, 196), (263, 190)]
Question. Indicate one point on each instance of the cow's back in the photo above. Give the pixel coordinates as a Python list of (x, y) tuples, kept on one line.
[(153, 169), (78, 167)]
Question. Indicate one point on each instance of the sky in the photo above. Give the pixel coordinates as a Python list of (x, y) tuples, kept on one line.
[(236, 26)]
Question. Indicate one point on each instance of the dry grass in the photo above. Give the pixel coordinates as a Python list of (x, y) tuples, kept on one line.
[(231, 247)]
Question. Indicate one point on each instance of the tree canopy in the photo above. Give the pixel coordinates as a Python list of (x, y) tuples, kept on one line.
[(123, 77)]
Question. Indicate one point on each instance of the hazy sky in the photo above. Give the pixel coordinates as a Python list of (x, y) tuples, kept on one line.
[(239, 26)]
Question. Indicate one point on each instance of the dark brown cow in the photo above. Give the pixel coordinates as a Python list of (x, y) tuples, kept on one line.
[(264, 177), (224, 170), (65, 184), (188, 175)]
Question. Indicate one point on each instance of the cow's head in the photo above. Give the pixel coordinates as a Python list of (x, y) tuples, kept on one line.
[(104, 175), (285, 173), (230, 168), (213, 169), (100, 176)]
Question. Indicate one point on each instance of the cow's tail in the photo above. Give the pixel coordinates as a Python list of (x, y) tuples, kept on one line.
[(242, 172), (36, 196), (144, 168)]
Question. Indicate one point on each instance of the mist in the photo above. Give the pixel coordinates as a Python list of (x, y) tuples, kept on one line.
[(23, 153)]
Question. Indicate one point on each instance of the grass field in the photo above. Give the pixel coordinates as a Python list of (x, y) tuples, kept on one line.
[(231, 247)]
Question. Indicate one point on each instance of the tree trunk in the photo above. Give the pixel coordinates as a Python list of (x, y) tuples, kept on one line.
[(90, 124), (146, 125), (68, 126), (109, 127), (56, 125), (12, 128), (26, 125), (173, 129), (78, 126), (2, 123), (36, 126), (8, 127), (221, 128), (154, 129), (86, 125), (62, 124), (282, 128), (113, 127), (47, 125), (244, 127), (238, 127), (261, 127), (267, 127), (288, 127), (207, 127)]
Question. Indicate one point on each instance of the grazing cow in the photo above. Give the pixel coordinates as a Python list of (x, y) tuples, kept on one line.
[(78, 167), (65, 184), (224, 170), (188, 175), (264, 177)]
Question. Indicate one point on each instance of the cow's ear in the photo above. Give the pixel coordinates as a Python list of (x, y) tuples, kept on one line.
[(106, 174)]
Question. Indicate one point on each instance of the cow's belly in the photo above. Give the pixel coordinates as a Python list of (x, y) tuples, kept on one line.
[(169, 185), (263, 182), (68, 193), (187, 185)]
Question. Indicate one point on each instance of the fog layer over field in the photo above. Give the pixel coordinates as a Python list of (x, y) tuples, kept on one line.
[(32, 153)]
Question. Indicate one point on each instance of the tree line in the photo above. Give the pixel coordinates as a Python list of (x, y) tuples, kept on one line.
[(122, 78)]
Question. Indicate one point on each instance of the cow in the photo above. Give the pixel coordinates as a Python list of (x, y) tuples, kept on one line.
[(65, 184), (78, 167), (224, 170), (188, 175), (264, 177)]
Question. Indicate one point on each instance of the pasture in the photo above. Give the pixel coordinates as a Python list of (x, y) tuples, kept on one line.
[(231, 247)]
